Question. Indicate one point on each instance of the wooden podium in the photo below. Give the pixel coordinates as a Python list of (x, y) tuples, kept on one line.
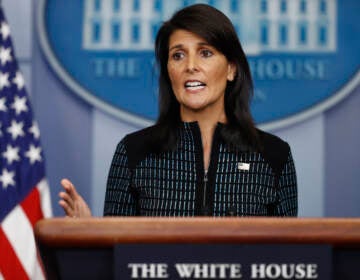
[(85, 246)]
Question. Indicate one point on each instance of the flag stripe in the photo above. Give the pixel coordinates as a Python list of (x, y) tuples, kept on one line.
[(31, 207), (14, 226), (38, 271), (29, 212), (44, 191), (10, 267)]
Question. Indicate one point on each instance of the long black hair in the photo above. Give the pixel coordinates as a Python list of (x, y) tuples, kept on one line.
[(217, 30)]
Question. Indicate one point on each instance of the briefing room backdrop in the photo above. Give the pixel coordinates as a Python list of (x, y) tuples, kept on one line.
[(79, 137)]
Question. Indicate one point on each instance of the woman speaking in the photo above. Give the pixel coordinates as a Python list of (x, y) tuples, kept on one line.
[(204, 156)]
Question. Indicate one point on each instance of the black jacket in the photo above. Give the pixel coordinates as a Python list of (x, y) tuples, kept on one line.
[(173, 183)]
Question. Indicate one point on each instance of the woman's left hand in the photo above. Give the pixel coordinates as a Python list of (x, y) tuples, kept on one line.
[(73, 203)]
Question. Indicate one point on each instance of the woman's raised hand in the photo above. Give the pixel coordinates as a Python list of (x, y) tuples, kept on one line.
[(73, 203)]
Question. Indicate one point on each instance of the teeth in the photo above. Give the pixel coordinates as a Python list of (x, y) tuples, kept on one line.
[(195, 88), (194, 84)]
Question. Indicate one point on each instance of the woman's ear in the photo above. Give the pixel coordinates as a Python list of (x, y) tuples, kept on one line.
[(231, 72)]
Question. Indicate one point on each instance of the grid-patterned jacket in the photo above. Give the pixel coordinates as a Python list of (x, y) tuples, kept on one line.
[(174, 183)]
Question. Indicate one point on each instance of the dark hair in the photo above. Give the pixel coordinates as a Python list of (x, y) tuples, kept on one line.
[(217, 30)]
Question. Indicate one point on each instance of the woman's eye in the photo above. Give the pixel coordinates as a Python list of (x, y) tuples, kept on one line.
[(177, 55), (206, 53)]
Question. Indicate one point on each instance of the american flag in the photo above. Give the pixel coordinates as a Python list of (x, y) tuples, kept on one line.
[(24, 192)]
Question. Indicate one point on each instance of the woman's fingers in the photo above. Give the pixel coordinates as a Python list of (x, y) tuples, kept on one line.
[(73, 203), (67, 199), (68, 210), (69, 188)]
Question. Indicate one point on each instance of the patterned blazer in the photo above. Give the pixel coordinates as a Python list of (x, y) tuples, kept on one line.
[(174, 183)]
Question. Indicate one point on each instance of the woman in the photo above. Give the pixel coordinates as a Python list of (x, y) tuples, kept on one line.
[(204, 155)]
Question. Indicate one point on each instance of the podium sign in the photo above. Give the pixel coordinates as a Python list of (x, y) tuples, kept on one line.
[(200, 248), (222, 261)]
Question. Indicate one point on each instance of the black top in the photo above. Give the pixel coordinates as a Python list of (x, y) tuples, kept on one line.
[(241, 182)]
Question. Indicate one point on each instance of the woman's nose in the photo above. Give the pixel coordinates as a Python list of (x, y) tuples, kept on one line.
[(192, 64)]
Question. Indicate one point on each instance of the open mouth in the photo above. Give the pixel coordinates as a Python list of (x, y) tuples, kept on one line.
[(194, 85)]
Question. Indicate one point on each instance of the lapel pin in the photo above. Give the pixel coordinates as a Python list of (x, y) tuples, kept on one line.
[(243, 166)]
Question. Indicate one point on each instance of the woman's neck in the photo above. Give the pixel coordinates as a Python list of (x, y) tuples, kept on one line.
[(206, 118), (207, 122)]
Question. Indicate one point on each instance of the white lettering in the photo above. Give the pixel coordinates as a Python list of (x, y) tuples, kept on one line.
[(300, 271), (162, 270), (222, 270), (284, 271), (288, 270), (201, 271), (148, 271), (273, 271), (235, 271), (275, 69), (258, 271), (291, 69), (312, 271), (134, 269), (208, 271), (185, 270)]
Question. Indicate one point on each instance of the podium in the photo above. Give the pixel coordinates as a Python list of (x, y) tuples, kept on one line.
[(84, 248)]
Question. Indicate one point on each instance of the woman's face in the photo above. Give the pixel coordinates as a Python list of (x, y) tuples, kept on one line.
[(198, 73)]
